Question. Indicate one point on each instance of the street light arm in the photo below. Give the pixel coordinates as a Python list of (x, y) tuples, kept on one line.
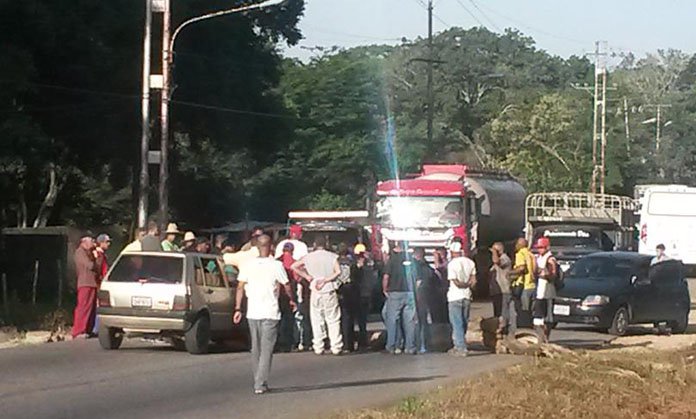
[(246, 8)]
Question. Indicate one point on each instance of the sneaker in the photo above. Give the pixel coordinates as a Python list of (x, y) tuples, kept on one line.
[(319, 352), (410, 352), (300, 347), (397, 351), (458, 352), (261, 391)]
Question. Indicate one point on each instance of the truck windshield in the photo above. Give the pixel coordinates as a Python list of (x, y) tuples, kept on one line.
[(420, 211), (569, 236), (146, 268)]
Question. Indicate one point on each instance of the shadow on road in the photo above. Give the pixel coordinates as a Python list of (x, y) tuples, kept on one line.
[(330, 386)]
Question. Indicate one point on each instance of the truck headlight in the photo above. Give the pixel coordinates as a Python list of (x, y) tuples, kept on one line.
[(595, 300)]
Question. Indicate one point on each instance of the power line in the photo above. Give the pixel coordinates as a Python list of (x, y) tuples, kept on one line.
[(471, 14), (350, 35), (485, 16), (439, 19)]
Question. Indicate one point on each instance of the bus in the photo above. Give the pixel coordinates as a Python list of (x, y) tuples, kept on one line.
[(668, 216)]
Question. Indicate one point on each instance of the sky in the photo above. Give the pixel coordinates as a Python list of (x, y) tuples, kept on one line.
[(561, 27)]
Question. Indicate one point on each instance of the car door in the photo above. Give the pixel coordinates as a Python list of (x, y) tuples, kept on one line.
[(644, 304), (667, 278), (218, 294)]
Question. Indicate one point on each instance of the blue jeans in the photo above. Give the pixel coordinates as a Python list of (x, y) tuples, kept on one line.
[(459, 319), (401, 308)]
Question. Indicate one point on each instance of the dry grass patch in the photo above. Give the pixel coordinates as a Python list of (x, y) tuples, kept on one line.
[(648, 384)]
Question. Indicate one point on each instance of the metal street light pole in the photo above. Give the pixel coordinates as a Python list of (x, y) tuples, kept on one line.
[(167, 60), (143, 198)]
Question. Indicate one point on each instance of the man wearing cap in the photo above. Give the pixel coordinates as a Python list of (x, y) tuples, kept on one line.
[(88, 267), (461, 273), (300, 248), (546, 272), (168, 244)]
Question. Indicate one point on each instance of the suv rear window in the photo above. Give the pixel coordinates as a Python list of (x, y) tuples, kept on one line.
[(135, 268)]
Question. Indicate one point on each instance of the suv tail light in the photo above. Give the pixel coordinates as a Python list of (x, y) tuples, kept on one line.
[(103, 299), (181, 303)]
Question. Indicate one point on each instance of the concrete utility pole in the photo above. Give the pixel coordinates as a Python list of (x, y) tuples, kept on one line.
[(599, 130), (143, 198), (164, 116), (431, 99), (658, 122)]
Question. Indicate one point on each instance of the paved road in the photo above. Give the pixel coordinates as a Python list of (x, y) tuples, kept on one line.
[(79, 380)]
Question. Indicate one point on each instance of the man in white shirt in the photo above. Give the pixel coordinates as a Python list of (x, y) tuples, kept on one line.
[(260, 278), (461, 273), (299, 247), (547, 272), (660, 255), (321, 269)]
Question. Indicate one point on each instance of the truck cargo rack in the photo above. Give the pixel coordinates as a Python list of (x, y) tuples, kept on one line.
[(579, 207)]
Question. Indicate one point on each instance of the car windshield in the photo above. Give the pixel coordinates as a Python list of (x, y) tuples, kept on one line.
[(147, 268), (578, 238), (601, 269), (420, 212)]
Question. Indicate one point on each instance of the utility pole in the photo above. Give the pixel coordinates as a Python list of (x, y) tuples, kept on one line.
[(626, 126), (143, 198), (430, 72), (164, 115), (658, 123), (599, 130)]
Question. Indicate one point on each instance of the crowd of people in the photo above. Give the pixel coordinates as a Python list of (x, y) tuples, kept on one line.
[(329, 290)]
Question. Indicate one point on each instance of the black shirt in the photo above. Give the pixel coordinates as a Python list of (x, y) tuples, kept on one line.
[(401, 271)]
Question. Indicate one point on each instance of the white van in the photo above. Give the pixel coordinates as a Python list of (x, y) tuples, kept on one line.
[(668, 216)]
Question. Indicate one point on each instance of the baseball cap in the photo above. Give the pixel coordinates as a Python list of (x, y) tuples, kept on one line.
[(543, 243), (359, 248), (288, 246), (103, 238)]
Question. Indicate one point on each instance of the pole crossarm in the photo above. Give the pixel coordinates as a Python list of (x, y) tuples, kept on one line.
[(219, 13)]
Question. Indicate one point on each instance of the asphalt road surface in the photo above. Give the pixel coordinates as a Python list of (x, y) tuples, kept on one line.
[(80, 380)]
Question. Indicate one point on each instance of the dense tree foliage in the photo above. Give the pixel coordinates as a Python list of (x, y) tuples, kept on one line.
[(256, 135)]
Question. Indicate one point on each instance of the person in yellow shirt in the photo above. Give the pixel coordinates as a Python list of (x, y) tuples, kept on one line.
[(523, 280)]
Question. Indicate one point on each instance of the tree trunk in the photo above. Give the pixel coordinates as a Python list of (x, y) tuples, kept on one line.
[(54, 186)]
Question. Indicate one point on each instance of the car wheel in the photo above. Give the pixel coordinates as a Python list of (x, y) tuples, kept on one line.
[(619, 325), (197, 338), (110, 338), (679, 326)]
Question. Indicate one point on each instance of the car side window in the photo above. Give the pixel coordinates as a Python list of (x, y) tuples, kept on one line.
[(213, 274), (199, 273)]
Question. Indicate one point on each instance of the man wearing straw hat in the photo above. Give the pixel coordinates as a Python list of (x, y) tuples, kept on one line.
[(169, 242)]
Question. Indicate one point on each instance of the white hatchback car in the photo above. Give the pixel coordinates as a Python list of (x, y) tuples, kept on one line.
[(183, 297)]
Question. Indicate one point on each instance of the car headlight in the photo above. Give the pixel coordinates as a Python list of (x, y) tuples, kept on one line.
[(595, 300)]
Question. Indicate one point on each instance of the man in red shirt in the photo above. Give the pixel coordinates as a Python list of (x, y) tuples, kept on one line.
[(103, 244), (88, 265)]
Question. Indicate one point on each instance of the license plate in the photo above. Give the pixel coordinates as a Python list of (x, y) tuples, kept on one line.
[(141, 302), (561, 310)]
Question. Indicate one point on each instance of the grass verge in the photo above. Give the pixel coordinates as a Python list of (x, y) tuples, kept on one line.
[(647, 384)]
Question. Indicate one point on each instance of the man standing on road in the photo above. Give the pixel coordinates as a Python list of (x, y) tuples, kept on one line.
[(503, 305), (398, 285), (260, 278), (103, 244), (88, 269), (320, 268), (151, 241), (300, 248), (523, 281), (547, 272), (660, 255), (461, 272)]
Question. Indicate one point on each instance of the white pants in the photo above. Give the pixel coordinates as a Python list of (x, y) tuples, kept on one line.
[(325, 314)]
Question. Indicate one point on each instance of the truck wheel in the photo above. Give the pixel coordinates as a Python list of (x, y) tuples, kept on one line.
[(619, 325), (197, 338), (680, 326), (110, 338)]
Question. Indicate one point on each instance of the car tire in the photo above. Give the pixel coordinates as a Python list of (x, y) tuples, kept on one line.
[(620, 322), (197, 339), (110, 338), (680, 326)]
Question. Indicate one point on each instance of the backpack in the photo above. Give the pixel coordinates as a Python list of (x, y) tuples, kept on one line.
[(558, 279)]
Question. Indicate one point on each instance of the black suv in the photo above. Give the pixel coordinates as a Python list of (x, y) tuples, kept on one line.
[(615, 289)]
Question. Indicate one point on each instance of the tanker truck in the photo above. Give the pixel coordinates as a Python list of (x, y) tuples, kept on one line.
[(442, 202)]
